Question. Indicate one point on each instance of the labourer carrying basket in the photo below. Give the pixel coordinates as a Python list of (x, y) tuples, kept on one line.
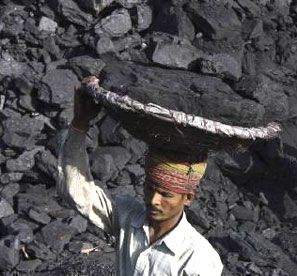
[(153, 238)]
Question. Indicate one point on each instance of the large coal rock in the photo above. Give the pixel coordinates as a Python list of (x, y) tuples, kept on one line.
[(108, 161), (11, 67), (173, 20), (9, 253), (176, 54), (21, 132), (5, 208), (56, 87), (24, 162), (71, 12), (85, 66), (57, 234), (214, 19), (115, 25), (192, 93)]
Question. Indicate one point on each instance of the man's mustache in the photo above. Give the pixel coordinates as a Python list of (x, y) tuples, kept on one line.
[(153, 209)]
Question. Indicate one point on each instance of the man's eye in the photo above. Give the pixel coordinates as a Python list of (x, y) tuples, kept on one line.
[(167, 194)]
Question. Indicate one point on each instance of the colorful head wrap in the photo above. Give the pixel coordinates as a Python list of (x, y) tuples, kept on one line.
[(173, 173)]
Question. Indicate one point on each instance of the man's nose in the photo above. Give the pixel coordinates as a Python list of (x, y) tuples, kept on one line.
[(155, 198)]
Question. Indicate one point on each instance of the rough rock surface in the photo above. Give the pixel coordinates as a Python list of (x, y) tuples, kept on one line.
[(147, 84)]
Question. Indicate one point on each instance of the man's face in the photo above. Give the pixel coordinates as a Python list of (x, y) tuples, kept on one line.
[(164, 205)]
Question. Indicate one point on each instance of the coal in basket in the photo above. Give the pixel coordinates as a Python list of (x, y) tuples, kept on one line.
[(176, 131)]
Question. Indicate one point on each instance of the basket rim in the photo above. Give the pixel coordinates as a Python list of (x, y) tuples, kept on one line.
[(270, 131)]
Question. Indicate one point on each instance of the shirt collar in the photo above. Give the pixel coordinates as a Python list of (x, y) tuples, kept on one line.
[(175, 238), (172, 240)]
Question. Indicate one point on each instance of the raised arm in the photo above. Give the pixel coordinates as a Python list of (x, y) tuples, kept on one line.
[(76, 184)]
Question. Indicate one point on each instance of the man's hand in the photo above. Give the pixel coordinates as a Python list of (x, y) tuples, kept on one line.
[(85, 109)]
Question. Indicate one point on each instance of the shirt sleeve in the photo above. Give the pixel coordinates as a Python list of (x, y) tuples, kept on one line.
[(205, 260), (76, 184), (205, 266)]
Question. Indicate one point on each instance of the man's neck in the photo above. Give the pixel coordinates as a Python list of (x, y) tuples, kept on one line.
[(157, 229)]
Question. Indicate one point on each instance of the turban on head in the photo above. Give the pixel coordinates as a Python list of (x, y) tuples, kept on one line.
[(172, 172)]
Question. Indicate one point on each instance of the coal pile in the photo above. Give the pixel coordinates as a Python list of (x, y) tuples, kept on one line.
[(232, 60)]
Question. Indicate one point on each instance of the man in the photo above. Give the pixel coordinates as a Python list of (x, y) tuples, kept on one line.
[(154, 238)]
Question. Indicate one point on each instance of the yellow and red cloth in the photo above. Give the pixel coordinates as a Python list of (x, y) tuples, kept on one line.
[(171, 173)]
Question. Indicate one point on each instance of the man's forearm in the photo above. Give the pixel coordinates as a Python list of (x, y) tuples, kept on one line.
[(76, 183)]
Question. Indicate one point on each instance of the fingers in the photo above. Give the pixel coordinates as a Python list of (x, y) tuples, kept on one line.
[(86, 80), (84, 104), (90, 79)]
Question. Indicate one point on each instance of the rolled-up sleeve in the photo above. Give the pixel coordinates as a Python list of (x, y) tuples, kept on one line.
[(76, 184)]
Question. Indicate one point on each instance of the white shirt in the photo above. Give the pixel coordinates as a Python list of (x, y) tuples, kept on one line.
[(182, 251)]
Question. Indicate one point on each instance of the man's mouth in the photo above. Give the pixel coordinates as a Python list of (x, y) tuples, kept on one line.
[(153, 211)]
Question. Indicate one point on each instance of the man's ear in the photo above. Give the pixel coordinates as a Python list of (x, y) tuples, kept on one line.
[(189, 198)]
